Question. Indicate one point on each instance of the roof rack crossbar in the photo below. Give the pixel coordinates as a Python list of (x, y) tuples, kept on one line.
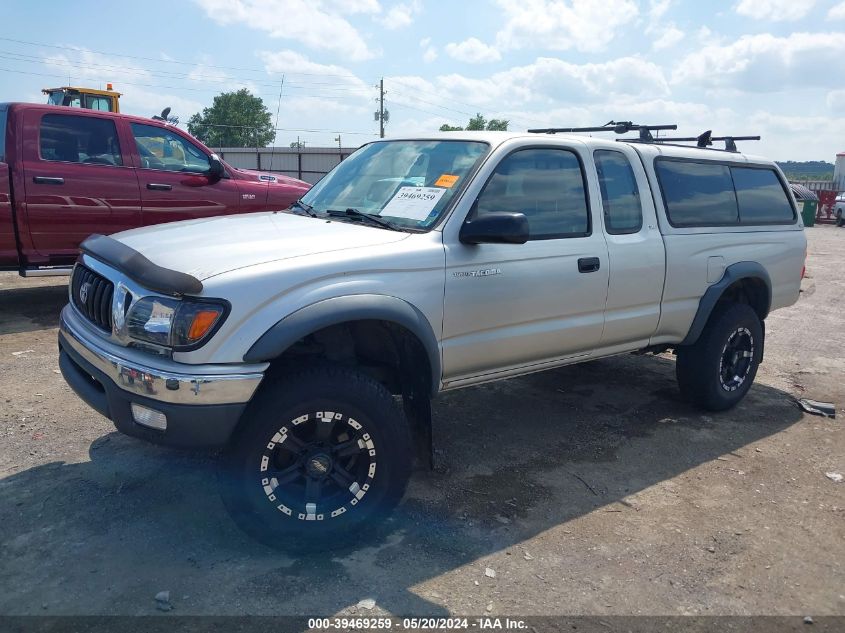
[(619, 127), (703, 140)]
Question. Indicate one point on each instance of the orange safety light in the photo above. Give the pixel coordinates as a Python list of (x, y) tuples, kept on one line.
[(202, 323), (108, 87)]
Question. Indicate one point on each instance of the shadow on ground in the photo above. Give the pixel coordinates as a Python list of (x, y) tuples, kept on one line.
[(30, 309), (523, 456)]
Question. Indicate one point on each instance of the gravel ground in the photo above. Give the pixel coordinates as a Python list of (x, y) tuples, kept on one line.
[(591, 489)]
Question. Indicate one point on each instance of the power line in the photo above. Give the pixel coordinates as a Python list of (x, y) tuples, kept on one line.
[(18, 57), (168, 61), (238, 81)]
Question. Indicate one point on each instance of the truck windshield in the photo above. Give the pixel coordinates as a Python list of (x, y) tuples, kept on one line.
[(408, 183), (56, 98)]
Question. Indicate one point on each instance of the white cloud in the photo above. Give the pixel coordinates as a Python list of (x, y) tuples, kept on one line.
[(657, 8), (837, 12), (430, 54), (473, 51), (586, 25), (543, 84), (764, 63), (317, 24), (671, 35), (401, 15), (291, 64), (353, 6), (836, 101), (132, 81), (775, 10)]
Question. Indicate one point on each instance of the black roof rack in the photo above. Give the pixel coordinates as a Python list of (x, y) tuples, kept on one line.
[(619, 127), (705, 140)]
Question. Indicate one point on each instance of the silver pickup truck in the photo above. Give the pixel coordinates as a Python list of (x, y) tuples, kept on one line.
[(307, 343)]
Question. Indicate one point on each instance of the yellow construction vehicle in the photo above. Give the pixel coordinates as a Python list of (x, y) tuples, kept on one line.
[(104, 100)]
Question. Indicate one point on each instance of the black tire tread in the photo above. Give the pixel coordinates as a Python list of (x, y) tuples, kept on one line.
[(285, 390), (694, 369)]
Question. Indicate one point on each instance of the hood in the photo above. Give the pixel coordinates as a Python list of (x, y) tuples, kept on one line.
[(208, 247), (251, 175)]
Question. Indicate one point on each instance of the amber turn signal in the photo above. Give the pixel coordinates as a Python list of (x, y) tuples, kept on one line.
[(202, 322)]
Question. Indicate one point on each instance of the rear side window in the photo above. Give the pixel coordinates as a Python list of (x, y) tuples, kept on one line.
[(697, 194), (547, 185), (620, 196), (761, 196), (79, 139)]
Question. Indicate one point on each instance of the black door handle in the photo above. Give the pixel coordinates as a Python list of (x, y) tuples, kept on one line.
[(48, 180), (588, 264), (157, 186)]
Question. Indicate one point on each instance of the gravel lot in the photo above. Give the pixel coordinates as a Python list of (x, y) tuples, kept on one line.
[(590, 489)]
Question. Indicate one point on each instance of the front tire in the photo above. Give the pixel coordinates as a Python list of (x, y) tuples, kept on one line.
[(319, 454), (717, 371), (839, 220)]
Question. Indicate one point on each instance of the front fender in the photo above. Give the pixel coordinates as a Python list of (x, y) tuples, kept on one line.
[(337, 310)]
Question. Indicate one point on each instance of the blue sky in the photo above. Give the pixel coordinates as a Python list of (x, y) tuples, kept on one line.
[(769, 67)]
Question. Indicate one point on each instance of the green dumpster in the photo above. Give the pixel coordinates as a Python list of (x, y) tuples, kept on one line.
[(808, 212), (808, 203)]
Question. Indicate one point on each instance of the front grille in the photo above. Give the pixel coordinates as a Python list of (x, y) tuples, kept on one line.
[(92, 294)]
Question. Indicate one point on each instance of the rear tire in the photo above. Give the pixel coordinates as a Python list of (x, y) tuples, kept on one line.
[(717, 371), (839, 220), (320, 454)]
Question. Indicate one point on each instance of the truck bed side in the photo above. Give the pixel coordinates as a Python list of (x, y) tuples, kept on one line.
[(8, 244), (697, 257)]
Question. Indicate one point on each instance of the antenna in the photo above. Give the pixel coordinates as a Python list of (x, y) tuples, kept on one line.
[(275, 133)]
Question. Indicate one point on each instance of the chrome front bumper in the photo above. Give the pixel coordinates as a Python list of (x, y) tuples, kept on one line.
[(161, 379)]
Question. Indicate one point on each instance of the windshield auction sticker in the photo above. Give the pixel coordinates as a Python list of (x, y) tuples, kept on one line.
[(413, 203), (446, 180)]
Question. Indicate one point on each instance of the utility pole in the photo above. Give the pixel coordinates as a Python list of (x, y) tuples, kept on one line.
[(381, 108)]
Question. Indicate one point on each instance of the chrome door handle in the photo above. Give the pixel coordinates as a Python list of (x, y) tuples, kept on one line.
[(48, 180)]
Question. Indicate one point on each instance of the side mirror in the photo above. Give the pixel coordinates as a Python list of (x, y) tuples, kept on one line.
[(496, 228), (215, 170)]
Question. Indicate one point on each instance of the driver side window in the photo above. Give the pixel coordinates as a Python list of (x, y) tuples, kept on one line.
[(547, 185), (160, 148)]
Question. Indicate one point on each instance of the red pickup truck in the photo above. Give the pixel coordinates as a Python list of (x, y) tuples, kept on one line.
[(66, 173)]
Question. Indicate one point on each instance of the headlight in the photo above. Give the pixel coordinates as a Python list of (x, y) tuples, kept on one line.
[(180, 325)]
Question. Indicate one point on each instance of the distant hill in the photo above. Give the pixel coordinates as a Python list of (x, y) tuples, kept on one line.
[(807, 170)]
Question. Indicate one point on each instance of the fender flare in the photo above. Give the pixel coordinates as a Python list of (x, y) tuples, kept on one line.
[(733, 273), (337, 310)]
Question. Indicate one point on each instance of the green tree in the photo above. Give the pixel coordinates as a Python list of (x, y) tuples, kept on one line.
[(477, 123), (235, 119)]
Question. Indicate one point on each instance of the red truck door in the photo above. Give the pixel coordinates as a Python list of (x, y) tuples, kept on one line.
[(174, 180), (78, 181)]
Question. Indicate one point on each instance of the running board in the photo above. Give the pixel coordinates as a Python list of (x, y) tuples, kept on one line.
[(51, 271)]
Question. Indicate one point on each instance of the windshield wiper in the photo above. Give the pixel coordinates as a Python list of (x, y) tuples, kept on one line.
[(360, 215), (309, 210)]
